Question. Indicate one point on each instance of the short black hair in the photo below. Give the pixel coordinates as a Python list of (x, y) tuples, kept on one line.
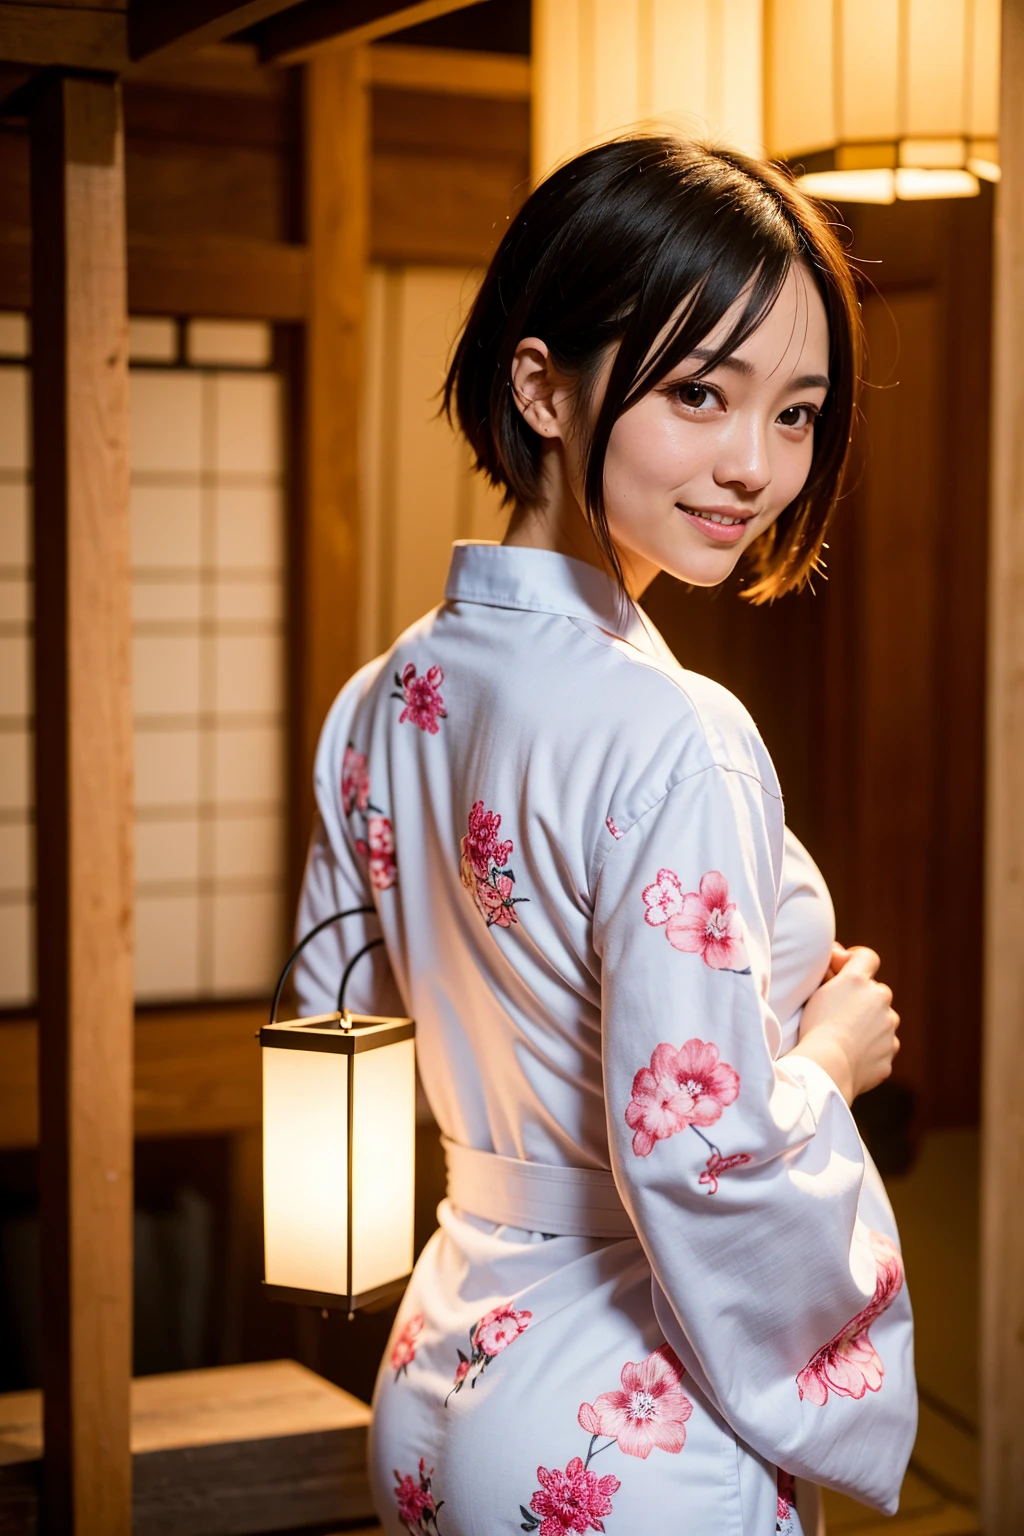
[(604, 251)]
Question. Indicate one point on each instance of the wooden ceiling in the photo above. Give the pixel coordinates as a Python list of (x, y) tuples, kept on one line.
[(113, 35)]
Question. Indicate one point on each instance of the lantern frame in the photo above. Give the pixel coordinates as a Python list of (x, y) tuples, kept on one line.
[(346, 1034)]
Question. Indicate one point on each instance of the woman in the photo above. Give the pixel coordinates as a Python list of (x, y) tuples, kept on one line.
[(664, 1245)]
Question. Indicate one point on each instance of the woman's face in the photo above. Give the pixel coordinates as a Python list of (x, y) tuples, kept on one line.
[(699, 467)]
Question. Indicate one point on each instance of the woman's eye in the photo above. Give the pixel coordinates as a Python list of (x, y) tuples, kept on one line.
[(797, 416), (696, 395)]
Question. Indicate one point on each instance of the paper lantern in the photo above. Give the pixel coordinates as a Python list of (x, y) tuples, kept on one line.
[(882, 99), (339, 1143), (604, 67)]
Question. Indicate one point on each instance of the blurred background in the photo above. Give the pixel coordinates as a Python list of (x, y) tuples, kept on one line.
[(868, 690)]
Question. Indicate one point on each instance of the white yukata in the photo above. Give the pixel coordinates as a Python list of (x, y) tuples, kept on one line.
[(667, 1274)]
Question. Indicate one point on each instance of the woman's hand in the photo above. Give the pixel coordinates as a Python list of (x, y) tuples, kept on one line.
[(840, 955), (849, 1025)]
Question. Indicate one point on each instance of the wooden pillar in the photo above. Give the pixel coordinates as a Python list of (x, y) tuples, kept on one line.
[(326, 590), (83, 798), (1002, 1287)]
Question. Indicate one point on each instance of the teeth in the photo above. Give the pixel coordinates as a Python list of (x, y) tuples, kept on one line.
[(716, 517)]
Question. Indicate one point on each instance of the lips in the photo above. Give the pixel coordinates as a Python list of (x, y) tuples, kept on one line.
[(728, 532)]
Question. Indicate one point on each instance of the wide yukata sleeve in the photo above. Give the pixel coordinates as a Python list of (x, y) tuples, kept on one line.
[(344, 873), (743, 1174)]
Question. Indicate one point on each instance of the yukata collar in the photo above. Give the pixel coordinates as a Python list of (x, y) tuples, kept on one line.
[(541, 581)]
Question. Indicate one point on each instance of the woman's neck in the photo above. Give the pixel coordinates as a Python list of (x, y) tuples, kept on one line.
[(558, 522)]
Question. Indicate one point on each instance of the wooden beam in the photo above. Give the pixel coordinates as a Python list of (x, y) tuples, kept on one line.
[(241, 1448), (440, 211), (83, 750), (222, 277), (326, 568), (227, 278), (197, 1073), (295, 37), (70, 37), (451, 71), (1002, 1241), (156, 27)]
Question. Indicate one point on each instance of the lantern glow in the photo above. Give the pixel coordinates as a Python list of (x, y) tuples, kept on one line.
[(339, 1114), (875, 100)]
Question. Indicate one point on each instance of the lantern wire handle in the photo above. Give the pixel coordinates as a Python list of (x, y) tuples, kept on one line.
[(373, 944), (300, 946)]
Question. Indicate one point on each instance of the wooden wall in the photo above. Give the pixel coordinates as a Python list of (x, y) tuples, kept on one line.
[(215, 217), (446, 174), (1002, 1168), (419, 493), (870, 693), (213, 154)]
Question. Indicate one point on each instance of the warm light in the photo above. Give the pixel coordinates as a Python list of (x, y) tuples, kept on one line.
[(913, 183), (851, 186), (383, 1163), (875, 86), (305, 1170), (339, 1117), (606, 67)]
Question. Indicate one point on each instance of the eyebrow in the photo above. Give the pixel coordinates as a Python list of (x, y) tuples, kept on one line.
[(740, 365)]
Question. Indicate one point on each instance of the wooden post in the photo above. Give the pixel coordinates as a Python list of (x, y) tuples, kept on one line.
[(1002, 1281), (326, 588), (83, 798)]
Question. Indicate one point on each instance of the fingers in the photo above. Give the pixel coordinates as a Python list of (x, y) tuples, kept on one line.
[(837, 960), (863, 961)]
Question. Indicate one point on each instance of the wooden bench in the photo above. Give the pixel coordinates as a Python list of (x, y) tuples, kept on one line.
[(228, 1452)]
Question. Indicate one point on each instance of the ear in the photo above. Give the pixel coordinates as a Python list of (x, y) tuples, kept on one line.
[(540, 391)]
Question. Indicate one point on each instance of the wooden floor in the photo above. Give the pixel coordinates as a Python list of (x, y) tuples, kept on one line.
[(236, 1448)]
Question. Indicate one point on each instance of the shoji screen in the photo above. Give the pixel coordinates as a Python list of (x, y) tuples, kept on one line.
[(208, 589)]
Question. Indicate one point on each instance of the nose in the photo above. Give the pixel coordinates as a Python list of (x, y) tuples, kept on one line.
[(743, 455)]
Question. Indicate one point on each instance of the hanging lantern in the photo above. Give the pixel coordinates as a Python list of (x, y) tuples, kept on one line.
[(339, 1128), (875, 100), (604, 67)]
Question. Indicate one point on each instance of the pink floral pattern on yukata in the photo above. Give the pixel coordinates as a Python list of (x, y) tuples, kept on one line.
[(609, 822), (424, 705), (483, 868), (784, 1522), (378, 848), (403, 1351), (375, 839), (681, 1087), (702, 922), (417, 1508), (487, 1339), (684, 1089), (571, 1501), (849, 1365), (355, 781), (648, 1412), (716, 1165)]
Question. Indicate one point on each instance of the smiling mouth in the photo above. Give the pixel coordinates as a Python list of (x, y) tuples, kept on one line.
[(721, 519), (717, 527)]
